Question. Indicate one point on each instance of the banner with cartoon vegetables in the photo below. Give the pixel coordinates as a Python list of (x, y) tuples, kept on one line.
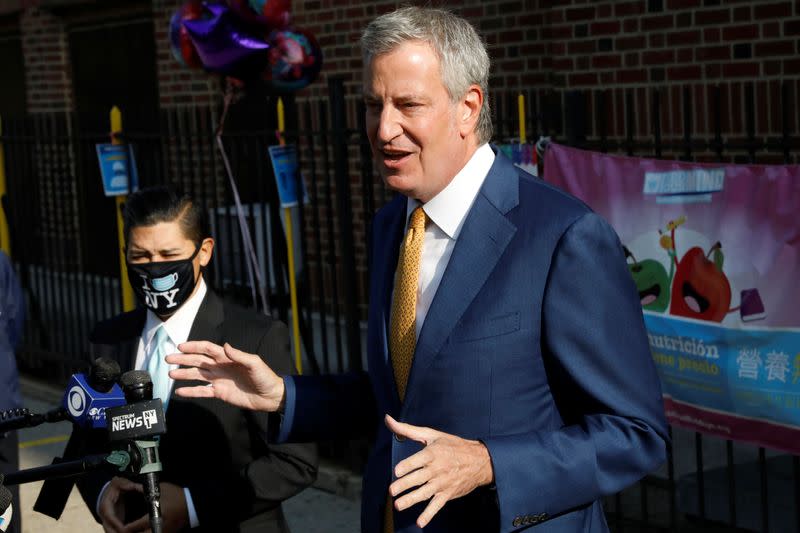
[(714, 250)]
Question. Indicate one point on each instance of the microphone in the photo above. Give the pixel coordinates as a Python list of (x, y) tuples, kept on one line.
[(141, 421), (85, 403), (85, 400), (6, 509)]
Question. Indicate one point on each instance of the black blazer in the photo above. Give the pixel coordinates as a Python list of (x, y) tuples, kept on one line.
[(236, 479)]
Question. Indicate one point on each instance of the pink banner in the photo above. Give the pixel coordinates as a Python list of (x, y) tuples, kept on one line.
[(714, 250)]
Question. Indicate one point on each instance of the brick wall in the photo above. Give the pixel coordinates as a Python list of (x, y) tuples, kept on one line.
[(177, 85), (635, 56), (541, 44), (47, 67), (534, 44), (50, 99), (668, 45), (617, 46)]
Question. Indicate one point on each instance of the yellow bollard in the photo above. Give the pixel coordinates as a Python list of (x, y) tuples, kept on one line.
[(287, 214), (125, 285)]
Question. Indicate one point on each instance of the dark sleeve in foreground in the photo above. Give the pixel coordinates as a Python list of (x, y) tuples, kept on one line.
[(81, 443), (84, 442)]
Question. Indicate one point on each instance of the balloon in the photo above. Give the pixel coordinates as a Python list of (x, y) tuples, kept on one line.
[(295, 59), (181, 45), (276, 12), (268, 15), (224, 46)]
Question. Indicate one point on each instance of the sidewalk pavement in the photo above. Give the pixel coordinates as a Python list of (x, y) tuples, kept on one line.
[(331, 506)]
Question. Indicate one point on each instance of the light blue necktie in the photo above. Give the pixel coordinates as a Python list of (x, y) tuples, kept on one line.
[(158, 367)]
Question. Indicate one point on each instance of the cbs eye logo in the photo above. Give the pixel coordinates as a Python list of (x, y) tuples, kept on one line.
[(76, 401)]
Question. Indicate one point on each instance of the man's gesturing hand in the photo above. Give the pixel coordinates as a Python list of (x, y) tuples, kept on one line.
[(447, 468), (233, 376)]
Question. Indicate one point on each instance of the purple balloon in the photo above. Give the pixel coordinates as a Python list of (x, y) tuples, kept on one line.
[(225, 47)]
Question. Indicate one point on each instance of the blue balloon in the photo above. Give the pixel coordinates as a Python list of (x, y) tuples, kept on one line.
[(295, 59)]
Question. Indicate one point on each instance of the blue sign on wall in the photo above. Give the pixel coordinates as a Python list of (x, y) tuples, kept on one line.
[(117, 169)]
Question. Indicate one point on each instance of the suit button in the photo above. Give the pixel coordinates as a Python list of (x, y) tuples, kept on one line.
[(542, 517), (528, 520), (517, 522)]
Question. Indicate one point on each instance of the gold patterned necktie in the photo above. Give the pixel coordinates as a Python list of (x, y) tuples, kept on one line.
[(402, 328)]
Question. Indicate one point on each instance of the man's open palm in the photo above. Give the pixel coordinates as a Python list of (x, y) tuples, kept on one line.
[(233, 376)]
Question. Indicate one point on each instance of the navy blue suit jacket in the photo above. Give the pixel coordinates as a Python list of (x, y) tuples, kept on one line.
[(534, 344)]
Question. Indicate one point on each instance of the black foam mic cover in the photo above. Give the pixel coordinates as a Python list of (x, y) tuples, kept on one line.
[(104, 374), (137, 386)]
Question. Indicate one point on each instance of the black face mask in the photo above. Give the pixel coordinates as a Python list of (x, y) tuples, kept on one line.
[(163, 286)]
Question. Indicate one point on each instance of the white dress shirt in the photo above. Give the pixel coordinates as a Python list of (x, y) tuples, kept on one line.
[(446, 213), (178, 327)]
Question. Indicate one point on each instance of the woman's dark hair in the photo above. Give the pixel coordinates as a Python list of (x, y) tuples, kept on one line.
[(164, 203)]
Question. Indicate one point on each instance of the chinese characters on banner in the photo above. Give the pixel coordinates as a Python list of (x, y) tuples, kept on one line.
[(714, 251)]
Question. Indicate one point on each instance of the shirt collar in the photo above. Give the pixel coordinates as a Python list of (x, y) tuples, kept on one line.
[(449, 208), (179, 324)]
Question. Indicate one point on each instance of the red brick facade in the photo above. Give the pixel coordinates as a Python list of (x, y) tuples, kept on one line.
[(685, 57), (47, 69), (610, 45), (534, 45), (178, 85)]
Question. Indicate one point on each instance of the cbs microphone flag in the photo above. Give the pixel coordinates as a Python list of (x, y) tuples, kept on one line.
[(714, 252)]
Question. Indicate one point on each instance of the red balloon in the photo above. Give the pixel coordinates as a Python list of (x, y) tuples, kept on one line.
[(181, 44), (267, 15)]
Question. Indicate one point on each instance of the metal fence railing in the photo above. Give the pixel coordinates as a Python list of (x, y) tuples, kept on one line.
[(64, 244)]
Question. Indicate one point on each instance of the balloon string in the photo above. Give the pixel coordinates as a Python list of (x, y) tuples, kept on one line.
[(253, 267)]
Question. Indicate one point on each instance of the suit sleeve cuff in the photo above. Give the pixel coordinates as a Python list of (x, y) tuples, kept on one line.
[(193, 520), (287, 419)]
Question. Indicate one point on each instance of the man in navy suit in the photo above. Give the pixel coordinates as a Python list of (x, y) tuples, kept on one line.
[(510, 375)]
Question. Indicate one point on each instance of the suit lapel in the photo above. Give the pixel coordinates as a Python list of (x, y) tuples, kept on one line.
[(207, 326), (127, 352), (208, 321), (385, 266), (128, 346), (483, 239)]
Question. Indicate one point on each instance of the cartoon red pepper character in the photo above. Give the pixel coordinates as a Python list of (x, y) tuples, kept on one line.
[(701, 289)]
